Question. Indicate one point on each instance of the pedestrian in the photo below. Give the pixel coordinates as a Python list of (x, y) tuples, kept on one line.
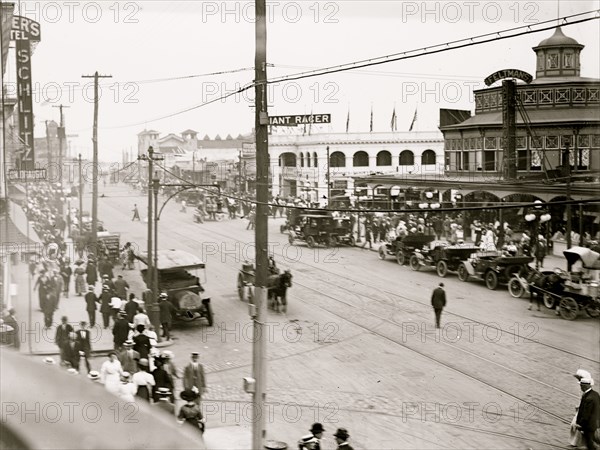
[(588, 416), (538, 300), (167, 310), (190, 413), (90, 305), (168, 364), (42, 286), (105, 267), (141, 318), (11, 321), (129, 357), (57, 281), (91, 273), (121, 287), (72, 352), (312, 440), (183, 206), (162, 380), (115, 306), (576, 438), (540, 252), (127, 390), (105, 309), (120, 331), (110, 373), (164, 401), (341, 437), (251, 219), (193, 377), (143, 380), (142, 342), (79, 278), (49, 308), (84, 346), (438, 301), (61, 339), (66, 272), (131, 308), (136, 213)]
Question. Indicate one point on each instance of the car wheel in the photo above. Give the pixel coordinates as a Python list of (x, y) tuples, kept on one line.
[(442, 268), (491, 280), (414, 263), (549, 301), (310, 241), (515, 288), (400, 258), (463, 273)]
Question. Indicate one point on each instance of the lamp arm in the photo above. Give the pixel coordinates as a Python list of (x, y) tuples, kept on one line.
[(170, 197)]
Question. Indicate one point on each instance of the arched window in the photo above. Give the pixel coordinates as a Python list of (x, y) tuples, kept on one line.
[(315, 160), (301, 159), (361, 159), (428, 157), (384, 158), (287, 160), (337, 159), (407, 158), (307, 159)]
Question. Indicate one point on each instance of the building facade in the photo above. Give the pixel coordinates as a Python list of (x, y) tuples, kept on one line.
[(558, 113)]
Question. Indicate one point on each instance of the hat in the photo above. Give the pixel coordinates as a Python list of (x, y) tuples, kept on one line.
[(441, 284), (317, 428), (587, 380), (582, 374), (122, 314), (195, 354), (72, 371), (188, 395), (105, 276), (128, 343), (91, 288), (309, 442), (163, 391), (342, 433), (143, 362), (163, 295), (94, 375), (105, 287), (125, 376), (49, 360)]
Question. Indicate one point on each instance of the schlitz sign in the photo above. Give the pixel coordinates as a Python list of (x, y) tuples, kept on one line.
[(24, 31), (508, 73)]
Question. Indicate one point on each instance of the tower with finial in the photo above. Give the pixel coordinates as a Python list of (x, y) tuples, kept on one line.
[(558, 56)]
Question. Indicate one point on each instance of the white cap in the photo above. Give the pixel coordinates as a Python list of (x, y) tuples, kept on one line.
[(587, 380), (582, 374)]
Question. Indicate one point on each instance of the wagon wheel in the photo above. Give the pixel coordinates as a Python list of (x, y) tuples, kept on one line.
[(351, 241), (310, 241), (291, 239), (463, 273), (381, 252), (568, 308), (414, 263), (400, 259), (442, 268), (240, 287), (593, 309), (515, 288), (549, 300), (491, 280)]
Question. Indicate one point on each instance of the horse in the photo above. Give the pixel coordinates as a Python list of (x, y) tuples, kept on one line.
[(278, 285)]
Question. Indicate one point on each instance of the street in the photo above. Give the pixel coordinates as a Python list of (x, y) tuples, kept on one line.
[(358, 347)]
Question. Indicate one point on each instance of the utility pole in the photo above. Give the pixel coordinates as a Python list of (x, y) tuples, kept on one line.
[(258, 309), (49, 146), (328, 180), (95, 162), (567, 174), (61, 136), (80, 196), (509, 134)]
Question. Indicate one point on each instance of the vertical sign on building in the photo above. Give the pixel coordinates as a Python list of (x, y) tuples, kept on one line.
[(25, 31)]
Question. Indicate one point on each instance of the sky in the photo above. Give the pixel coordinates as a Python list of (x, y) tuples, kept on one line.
[(167, 56)]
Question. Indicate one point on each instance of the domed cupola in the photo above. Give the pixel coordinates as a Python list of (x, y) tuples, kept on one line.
[(558, 56)]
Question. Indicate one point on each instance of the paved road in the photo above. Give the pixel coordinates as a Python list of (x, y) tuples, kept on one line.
[(358, 349)]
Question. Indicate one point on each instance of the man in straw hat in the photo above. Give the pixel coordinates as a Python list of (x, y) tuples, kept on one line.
[(129, 357), (164, 400), (341, 437), (193, 377), (313, 440), (588, 416)]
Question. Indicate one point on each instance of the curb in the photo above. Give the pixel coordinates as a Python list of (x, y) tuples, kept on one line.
[(95, 352)]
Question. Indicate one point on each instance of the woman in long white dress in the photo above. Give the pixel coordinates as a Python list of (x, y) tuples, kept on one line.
[(110, 373)]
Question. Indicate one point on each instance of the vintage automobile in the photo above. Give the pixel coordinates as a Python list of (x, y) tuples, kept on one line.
[(494, 267), (402, 248), (314, 230), (179, 275), (441, 256), (342, 233), (574, 291), (294, 214)]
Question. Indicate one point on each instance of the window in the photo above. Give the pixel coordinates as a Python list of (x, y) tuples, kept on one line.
[(407, 158), (307, 159), (315, 160), (361, 159), (428, 157), (337, 159), (465, 160), (553, 61), (287, 160), (568, 61), (384, 158), (489, 161), (301, 159)]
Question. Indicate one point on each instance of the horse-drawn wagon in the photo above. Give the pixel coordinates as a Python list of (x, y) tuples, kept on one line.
[(277, 285), (567, 292)]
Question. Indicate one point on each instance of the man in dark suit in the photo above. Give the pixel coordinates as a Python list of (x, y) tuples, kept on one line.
[(120, 330), (84, 346), (166, 315), (129, 357), (61, 338), (131, 308), (142, 343), (438, 301), (72, 351), (193, 377), (588, 416), (90, 302), (12, 322)]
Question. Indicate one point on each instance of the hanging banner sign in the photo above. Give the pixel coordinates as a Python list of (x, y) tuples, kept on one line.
[(248, 148), (508, 73), (24, 31), (305, 119)]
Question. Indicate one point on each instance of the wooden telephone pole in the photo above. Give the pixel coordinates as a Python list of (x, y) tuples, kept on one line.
[(95, 162), (61, 137)]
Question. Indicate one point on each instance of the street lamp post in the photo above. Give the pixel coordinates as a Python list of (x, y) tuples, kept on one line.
[(154, 309), (429, 203)]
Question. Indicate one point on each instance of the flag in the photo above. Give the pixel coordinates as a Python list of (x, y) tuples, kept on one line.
[(371, 126), (348, 121), (394, 124), (412, 124), (310, 122)]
